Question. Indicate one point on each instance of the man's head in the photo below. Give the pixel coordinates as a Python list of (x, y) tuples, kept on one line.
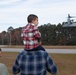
[(32, 19), (0, 52)]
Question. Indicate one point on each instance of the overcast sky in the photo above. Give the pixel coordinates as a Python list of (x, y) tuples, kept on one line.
[(14, 12)]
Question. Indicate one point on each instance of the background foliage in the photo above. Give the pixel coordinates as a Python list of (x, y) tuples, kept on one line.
[(51, 35)]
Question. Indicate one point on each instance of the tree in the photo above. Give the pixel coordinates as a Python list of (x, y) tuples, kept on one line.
[(10, 29)]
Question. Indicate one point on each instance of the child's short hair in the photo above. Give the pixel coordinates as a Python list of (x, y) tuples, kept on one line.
[(31, 17)]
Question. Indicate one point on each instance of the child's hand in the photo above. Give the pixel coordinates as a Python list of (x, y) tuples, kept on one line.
[(40, 42)]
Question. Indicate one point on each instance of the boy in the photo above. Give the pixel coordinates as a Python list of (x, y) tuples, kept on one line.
[(32, 60), (31, 35)]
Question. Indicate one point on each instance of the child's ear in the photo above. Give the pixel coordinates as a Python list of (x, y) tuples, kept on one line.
[(32, 21)]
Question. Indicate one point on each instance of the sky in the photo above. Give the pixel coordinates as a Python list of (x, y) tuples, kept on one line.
[(14, 12)]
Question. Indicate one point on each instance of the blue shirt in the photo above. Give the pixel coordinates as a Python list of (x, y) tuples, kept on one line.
[(34, 63)]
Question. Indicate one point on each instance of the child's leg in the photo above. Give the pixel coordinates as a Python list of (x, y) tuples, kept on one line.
[(40, 48)]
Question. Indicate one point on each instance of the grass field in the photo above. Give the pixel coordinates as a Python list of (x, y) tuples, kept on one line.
[(66, 62)]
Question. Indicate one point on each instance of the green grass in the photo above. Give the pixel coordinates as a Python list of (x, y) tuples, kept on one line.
[(66, 63)]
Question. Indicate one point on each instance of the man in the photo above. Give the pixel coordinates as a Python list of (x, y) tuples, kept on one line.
[(36, 62), (3, 68)]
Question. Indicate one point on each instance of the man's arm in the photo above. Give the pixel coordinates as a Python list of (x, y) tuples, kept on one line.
[(51, 67), (15, 68)]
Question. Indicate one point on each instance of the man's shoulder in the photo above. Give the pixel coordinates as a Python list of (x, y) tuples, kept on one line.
[(41, 52), (20, 53), (38, 52)]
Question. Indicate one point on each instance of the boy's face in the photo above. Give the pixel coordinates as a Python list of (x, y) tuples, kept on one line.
[(35, 21)]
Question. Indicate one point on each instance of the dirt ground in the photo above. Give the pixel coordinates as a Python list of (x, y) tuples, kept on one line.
[(66, 63)]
